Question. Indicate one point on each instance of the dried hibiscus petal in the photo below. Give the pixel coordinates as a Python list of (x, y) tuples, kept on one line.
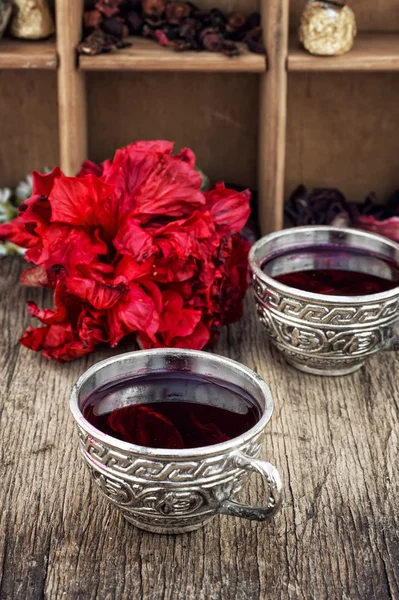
[(177, 11), (213, 42), (254, 40), (115, 26), (236, 25), (154, 11), (162, 38), (92, 19), (109, 7), (134, 21), (230, 48), (217, 19)]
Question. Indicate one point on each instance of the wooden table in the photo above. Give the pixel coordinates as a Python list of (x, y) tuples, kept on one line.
[(335, 442)]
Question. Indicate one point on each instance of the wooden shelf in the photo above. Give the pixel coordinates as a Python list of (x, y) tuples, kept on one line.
[(371, 52), (17, 54), (147, 55)]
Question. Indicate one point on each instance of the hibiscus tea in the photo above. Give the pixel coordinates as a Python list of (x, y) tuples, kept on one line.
[(172, 410), (333, 270)]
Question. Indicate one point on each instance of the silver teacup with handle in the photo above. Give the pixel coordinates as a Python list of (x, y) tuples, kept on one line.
[(176, 490), (318, 333)]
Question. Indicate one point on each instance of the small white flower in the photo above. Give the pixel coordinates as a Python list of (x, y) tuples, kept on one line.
[(23, 189), (5, 195)]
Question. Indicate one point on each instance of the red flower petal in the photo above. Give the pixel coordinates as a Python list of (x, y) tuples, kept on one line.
[(99, 295), (128, 270), (50, 317), (36, 214), (389, 227), (197, 340), (152, 182), (83, 202), (90, 168), (135, 311), (229, 209), (35, 276), (177, 321), (92, 327), (132, 239), (16, 232), (67, 246), (43, 184)]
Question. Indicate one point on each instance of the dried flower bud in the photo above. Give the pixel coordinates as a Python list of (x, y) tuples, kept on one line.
[(154, 9), (230, 48), (170, 31), (213, 42), (133, 5), (109, 7), (188, 29), (148, 32), (95, 43), (218, 19), (182, 45), (176, 12), (92, 18), (253, 21), (114, 26), (134, 21), (162, 38), (235, 22), (254, 41)]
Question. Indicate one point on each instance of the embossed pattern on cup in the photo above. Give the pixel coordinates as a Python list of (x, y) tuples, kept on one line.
[(174, 491), (324, 334)]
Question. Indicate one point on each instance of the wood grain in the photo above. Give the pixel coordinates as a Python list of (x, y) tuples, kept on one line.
[(334, 441), (342, 132), (273, 112), (214, 114), (28, 123), (71, 87), (18, 54), (371, 15), (146, 55), (371, 52)]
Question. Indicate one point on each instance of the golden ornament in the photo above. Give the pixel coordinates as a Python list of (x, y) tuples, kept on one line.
[(32, 20), (327, 28)]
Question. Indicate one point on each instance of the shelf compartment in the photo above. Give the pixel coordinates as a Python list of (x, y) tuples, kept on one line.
[(371, 52), (147, 55), (21, 54)]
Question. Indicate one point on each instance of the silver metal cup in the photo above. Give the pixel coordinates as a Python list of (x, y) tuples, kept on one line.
[(174, 491), (317, 333)]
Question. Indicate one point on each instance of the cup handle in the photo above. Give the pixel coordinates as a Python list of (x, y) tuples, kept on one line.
[(273, 480)]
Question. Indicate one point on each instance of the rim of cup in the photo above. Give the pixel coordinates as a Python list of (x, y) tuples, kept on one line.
[(178, 454)]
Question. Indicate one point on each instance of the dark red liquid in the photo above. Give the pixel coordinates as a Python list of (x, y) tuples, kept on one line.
[(341, 283), (178, 411), (334, 270)]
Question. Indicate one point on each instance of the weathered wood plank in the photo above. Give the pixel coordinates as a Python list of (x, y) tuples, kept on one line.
[(335, 442)]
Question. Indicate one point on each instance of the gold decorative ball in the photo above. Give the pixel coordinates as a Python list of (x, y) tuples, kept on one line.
[(32, 20), (327, 28)]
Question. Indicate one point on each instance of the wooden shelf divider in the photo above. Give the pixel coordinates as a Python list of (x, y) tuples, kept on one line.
[(273, 115), (20, 54), (71, 87), (371, 52), (147, 55)]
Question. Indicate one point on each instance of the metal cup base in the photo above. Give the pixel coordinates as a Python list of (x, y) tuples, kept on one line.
[(324, 372)]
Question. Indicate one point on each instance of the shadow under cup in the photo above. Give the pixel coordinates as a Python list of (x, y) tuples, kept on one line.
[(176, 490)]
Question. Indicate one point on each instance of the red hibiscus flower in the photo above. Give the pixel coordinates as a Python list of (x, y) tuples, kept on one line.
[(132, 246)]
